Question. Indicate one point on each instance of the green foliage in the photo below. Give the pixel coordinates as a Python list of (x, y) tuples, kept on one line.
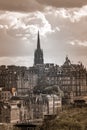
[(70, 119), (8, 127), (46, 89), (61, 125)]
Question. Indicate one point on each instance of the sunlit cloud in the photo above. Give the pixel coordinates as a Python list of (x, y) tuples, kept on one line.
[(80, 43), (73, 14), (23, 61), (22, 23)]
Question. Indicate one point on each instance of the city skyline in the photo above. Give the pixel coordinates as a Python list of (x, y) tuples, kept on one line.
[(62, 26)]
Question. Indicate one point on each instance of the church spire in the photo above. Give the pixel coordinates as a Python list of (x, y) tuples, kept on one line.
[(38, 41), (38, 54)]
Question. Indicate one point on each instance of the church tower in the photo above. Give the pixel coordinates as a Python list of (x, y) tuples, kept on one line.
[(38, 54)]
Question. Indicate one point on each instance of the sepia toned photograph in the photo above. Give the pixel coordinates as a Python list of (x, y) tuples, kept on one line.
[(43, 64)]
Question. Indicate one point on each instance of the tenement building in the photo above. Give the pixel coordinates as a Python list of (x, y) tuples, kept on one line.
[(26, 82), (71, 78), (74, 78)]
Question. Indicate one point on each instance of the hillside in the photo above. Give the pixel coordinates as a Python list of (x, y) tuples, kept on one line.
[(70, 119)]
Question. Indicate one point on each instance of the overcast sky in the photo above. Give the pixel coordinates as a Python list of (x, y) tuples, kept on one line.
[(62, 25)]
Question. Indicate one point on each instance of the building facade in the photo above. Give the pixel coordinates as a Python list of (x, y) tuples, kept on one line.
[(9, 113), (71, 78), (5, 95)]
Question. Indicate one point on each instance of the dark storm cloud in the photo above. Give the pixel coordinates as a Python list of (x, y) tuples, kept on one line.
[(33, 5), (64, 3), (20, 5)]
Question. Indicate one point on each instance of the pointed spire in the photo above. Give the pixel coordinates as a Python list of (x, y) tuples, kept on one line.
[(67, 58), (38, 41), (38, 55)]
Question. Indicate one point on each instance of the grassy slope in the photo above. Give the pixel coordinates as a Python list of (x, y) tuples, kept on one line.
[(70, 119)]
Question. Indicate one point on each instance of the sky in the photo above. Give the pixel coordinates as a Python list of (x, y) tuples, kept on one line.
[(62, 25)]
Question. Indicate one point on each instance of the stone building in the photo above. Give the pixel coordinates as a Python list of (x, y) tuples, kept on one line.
[(8, 76), (23, 107), (23, 79), (46, 105), (2, 75), (5, 95), (74, 78), (17, 109), (28, 108), (71, 78), (26, 82), (9, 113)]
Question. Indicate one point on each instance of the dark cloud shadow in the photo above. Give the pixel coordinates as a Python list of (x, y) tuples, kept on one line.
[(64, 3), (34, 5), (20, 5)]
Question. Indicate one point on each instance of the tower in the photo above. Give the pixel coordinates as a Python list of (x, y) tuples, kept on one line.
[(38, 54)]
